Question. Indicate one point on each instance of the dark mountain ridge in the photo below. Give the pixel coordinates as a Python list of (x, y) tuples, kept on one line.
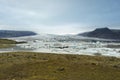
[(104, 33), (12, 33)]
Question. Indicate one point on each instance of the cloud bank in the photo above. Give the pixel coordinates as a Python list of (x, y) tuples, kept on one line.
[(58, 16)]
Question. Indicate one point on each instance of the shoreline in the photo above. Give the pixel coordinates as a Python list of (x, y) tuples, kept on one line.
[(43, 52)]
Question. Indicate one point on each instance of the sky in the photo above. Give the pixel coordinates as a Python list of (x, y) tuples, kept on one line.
[(59, 16)]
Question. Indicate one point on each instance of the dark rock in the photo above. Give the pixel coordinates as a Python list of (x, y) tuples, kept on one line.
[(104, 33), (60, 69), (93, 63), (10, 33), (116, 66)]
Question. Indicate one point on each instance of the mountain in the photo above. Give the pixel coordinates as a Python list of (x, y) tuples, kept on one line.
[(104, 33), (10, 33)]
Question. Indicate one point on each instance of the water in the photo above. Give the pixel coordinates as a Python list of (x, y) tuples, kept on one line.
[(54, 44)]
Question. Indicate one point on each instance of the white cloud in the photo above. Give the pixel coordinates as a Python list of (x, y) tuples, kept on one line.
[(37, 15), (41, 9), (31, 13), (47, 16), (72, 28)]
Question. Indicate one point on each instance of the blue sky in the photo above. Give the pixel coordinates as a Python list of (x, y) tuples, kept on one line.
[(59, 16)]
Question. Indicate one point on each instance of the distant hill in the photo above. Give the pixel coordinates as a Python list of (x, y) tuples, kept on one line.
[(10, 33), (104, 33)]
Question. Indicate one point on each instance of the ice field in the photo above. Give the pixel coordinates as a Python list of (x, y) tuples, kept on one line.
[(67, 45)]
